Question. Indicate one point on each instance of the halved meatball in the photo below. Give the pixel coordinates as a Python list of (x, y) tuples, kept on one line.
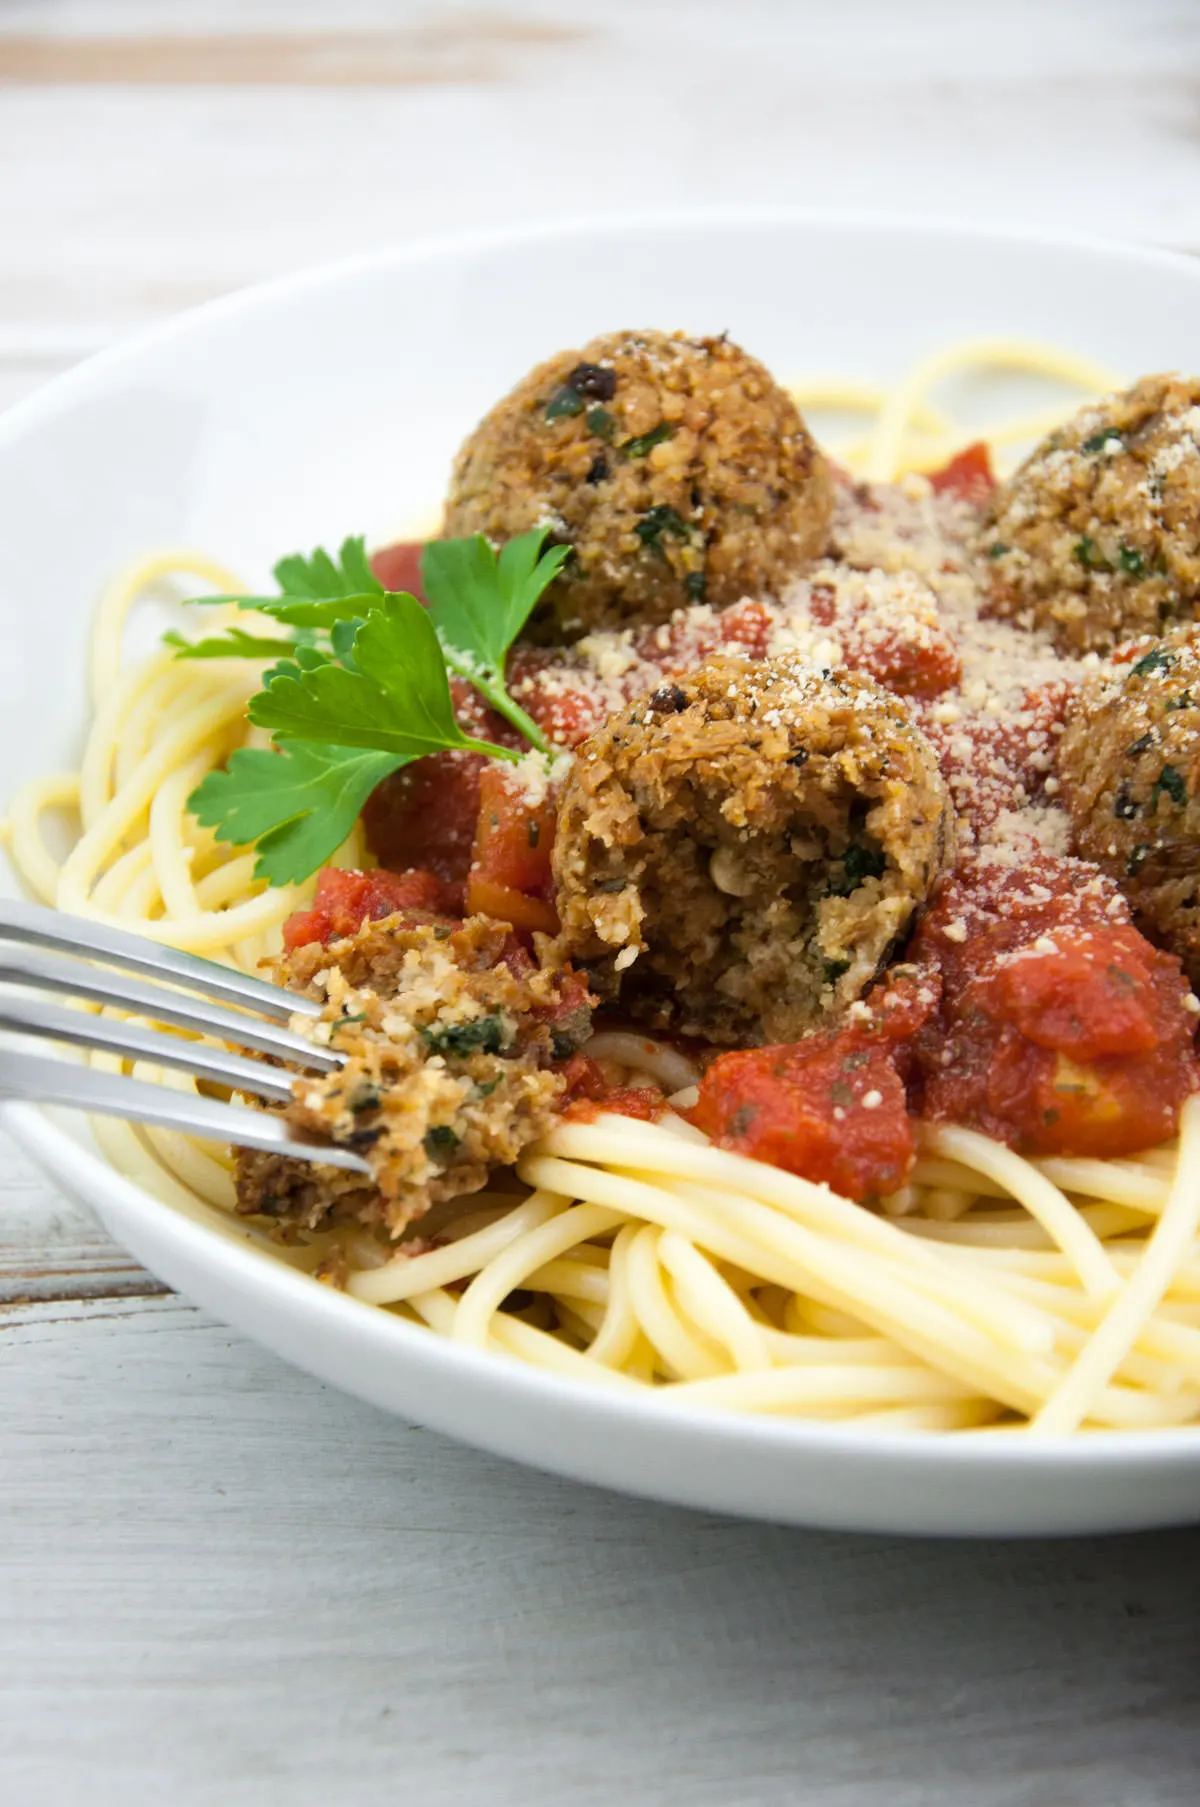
[(740, 853), (676, 469), (1129, 765), (1096, 537)]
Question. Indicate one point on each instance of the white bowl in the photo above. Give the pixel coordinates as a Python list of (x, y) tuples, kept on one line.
[(331, 402)]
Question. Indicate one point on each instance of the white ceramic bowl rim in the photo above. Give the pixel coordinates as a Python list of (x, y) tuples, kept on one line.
[(72, 384)]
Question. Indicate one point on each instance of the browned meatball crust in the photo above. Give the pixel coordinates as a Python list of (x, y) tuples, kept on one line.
[(1129, 764), (1097, 536), (741, 852), (450, 1070), (676, 469)]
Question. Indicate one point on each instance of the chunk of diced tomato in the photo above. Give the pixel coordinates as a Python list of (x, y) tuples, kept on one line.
[(398, 567), (425, 815), (510, 875), (345, 900), (831, 1107), (746, 628), (921, 662), (968, 475), (504, 904), (1061, 1030), (589, 1094), (830, 1112)]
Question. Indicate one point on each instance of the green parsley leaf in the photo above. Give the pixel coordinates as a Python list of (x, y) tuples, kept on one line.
[(318, 576), (600, 422), (352, 708), (997, 549), (480, 600), (298, 804), (235, 643), (315, 590), (396, 700), (1131, 560), (314, 612)]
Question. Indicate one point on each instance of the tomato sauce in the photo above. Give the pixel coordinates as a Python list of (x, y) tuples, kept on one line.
[(1060, 1029), (398, 567), (426, 814), (589, 1094), (999, 763), (968, 475), (832, 1107), (509, 875), (1030, 1008), (345, 900)]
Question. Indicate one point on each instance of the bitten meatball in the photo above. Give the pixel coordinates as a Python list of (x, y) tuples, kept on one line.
[(1129, 764), (740, 853), (453, 1044), (676, 469), (1097, 536)]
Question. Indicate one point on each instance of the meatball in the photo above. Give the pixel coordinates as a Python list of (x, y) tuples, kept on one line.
[(740, 853), (1096, 537), (676, 469), (452, 1042), (1129, 765)]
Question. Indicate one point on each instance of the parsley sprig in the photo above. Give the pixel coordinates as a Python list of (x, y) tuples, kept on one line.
[(297, 804), (361, 687), (479, 602)]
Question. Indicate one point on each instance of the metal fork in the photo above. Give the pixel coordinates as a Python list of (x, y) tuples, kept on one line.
[(109, 966)]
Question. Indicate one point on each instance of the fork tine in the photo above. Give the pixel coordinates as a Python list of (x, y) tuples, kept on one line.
[(37, 1081), (39, 926), (34, 1016), (51, 972)]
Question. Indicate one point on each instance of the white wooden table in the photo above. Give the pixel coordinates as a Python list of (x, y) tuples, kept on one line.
[(220, 1581)]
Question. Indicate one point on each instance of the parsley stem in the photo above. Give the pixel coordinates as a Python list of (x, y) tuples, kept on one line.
[(491, 688), (512, 754), (503, 704)]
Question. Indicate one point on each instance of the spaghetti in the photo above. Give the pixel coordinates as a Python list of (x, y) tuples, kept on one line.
[(992, 1291)]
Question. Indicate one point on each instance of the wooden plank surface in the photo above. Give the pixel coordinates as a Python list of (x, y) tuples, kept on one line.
[(220, 1581), (224, 1579)]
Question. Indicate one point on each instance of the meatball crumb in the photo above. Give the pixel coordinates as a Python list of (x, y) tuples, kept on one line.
[(453, 1043)]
